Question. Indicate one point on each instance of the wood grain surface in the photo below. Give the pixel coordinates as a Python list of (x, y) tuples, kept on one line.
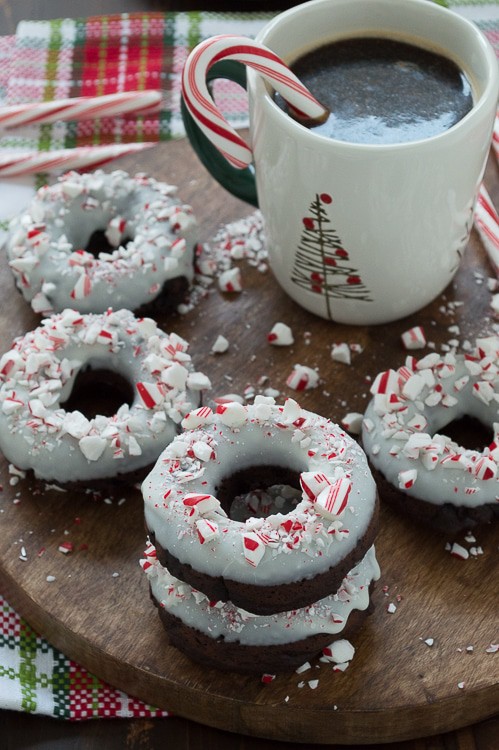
[(97, 609)]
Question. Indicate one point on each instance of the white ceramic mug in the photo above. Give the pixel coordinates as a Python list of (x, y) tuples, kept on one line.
[(400, 213)]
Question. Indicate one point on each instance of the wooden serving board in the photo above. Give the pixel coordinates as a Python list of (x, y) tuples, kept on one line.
[(97, 610)]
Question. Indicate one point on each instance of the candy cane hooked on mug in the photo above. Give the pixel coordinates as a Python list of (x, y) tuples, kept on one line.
[(200, 104)]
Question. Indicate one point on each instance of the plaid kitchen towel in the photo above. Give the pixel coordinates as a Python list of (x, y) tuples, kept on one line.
[(36, 678), (75, 57), (108, 54)]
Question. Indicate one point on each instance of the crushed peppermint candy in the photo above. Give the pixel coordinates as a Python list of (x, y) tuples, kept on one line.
[(280, 335), (457, 550), (242, 240), (341, 353), (340, 651), (230, 280), (414, 338), (302, 378), (303, 668), (220, 345)]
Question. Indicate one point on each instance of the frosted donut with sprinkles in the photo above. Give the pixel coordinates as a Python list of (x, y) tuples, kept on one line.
[(149, 244), (423, 471), (39, 372), (264, 564)]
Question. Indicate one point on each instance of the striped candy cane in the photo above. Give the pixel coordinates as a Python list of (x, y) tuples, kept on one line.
[(486, 222), (198, 100), (85, 157), (80, 108), (495, 137)]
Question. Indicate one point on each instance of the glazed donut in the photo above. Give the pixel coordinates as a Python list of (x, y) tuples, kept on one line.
[(228, 638), (151, 238), (37, 377), (420, 469), (268, 564)]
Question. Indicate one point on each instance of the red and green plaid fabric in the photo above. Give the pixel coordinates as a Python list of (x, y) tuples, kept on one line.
[(36, 678), (107, 54)]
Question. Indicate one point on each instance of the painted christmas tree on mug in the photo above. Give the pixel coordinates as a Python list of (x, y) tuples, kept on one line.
[(322, 263)]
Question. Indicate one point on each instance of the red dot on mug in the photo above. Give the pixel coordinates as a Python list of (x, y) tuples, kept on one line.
[(326, 198)]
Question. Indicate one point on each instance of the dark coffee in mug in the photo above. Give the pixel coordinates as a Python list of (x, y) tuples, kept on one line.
[(383, 90)]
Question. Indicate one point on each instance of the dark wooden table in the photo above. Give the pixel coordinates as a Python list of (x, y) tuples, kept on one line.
[(19, 731)]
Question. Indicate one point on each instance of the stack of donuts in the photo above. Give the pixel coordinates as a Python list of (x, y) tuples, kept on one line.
[(273, 590)]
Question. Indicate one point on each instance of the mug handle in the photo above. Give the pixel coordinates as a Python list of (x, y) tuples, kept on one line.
[(239, 182)]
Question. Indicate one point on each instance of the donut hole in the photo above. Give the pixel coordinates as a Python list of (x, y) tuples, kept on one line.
[(469, 432), (99, 391), (99, 243), (259, 491)]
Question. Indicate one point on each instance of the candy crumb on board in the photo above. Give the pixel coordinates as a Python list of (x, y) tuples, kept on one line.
[(220, 345), (302, 378), (341, 353), (280, 335), (414, 338)]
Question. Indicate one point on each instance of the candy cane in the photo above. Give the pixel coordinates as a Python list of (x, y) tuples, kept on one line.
[(486, 222), (495, 137), (16, 164), (80, 108), (198, 100)]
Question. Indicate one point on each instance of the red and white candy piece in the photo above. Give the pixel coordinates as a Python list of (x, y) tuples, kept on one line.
[(253, 548), (333, 499), (17, 164), (82, 288), (200, 104), (407, 478), (313, 483), (280, 335), (206, 530), (150, 394), (302, 378), (484, 468), (197, 418), (339, 651), (79, 108), (233, 414), (414, 338), (230, 280), (200, 505), (386, 382)]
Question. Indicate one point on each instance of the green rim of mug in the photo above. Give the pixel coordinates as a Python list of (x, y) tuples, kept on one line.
[(239, 182)]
